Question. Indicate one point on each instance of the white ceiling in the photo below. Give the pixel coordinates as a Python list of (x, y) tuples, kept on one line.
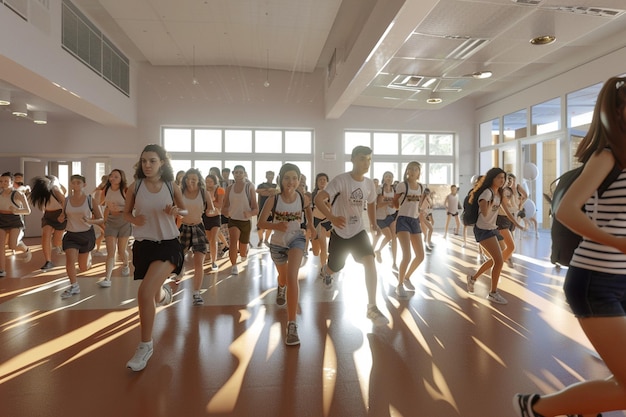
[(376, 43)]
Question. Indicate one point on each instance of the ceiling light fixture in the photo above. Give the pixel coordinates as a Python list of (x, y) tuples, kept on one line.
[(267, 70), (19, 109), (5, 98), (40, 117), (434, 99), (479, 75), (543, 40), (194, 80)]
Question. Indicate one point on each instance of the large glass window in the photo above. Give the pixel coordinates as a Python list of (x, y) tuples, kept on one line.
[(490, 132), (392, 151), (546, 117), (258, 150), (580, 106), (515, 125)]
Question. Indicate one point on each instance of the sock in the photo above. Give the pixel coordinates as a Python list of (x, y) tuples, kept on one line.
[(371, 306), (196, 292), (146, 344), (110, 264)]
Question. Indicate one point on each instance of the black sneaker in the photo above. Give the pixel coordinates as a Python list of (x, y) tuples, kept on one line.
[(523, 405), (48, 265)]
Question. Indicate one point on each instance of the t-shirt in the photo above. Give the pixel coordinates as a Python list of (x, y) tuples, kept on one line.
[(351, 202), (488, 222), (410, 206)]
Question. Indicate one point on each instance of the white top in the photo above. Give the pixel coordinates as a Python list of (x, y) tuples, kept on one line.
[(351, 202), (383, 211), (195, 207), (410, 206), (452, 203), (159, 225), (489, 222), (76, 216), (239, 202), (6, 203), (114, 201), (291, 213)]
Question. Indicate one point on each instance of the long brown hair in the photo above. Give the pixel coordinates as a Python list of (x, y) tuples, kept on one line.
[(608, 127)]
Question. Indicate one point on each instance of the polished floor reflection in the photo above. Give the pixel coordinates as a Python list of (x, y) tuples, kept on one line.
[(445, 353)]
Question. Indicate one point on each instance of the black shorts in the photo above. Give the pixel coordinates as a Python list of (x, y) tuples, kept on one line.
[(211, 221), (504, 223), (147, 251), (11, 221), (51, 218), (83, 241), (358, 245)]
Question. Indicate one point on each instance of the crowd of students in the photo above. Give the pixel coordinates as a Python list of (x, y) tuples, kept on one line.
[(168, 218)]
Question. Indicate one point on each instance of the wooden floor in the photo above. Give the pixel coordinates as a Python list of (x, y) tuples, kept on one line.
[(445, 353)]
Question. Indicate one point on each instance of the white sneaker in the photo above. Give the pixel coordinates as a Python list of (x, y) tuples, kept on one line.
[(234, 270), (374, 314), (495, 297), (125, 271), (105, 283), (167, 298), (409, 285), (214, 267), (140, 359), (401, 292), (27, 256), (72, 290)]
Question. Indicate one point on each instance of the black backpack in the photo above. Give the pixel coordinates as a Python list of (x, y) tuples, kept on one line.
[(564, 241), (469, 217)]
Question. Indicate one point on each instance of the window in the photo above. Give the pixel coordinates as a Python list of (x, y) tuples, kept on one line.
[(490, 132), (299, 142), (546, 117), (515, 126), (392, 151), (238, 141), (258, 150)]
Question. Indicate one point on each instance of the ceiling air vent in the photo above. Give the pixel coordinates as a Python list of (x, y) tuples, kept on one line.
[(590, 11), (466, 49)]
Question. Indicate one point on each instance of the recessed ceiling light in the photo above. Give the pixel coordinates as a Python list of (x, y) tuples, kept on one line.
[(543, 40), (434, 99), (482, 74)]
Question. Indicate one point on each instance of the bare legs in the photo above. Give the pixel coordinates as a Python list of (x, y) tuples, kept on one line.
[(608, 335), (408, 240)]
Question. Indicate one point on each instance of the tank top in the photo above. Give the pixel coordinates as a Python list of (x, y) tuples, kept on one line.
[(287, 212), (159, 225), (195, 206), (114, 201), (76, 215), (6, 201), (239, 202)]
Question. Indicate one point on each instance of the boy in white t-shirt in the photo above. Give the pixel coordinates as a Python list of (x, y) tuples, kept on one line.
[(349, 193)]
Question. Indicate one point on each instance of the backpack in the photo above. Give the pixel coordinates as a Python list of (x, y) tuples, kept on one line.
[(469, 217), (564, 241)]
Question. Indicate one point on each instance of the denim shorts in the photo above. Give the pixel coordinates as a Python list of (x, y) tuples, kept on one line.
[(408, 224), (484, 234), (280, 254), (595, 294), (386, 222)]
